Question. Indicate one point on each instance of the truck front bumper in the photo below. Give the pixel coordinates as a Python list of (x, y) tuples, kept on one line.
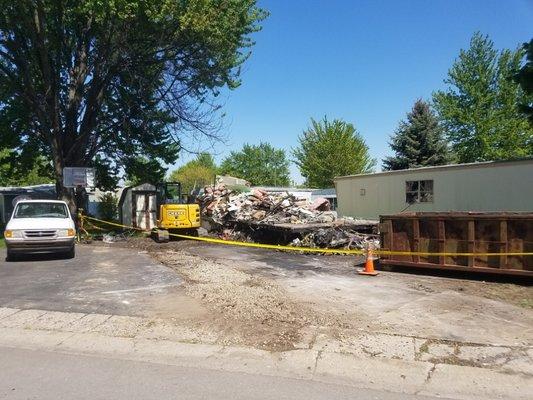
[(40, 246)]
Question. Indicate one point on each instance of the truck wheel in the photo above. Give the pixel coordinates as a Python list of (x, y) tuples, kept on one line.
[(71, 253), (10, 256)]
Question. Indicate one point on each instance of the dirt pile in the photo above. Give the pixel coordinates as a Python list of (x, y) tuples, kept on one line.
[(249, 309)]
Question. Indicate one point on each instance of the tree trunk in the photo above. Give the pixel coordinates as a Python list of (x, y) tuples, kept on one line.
[(63, 193)]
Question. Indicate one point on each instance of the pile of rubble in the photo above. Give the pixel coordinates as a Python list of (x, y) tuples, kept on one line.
[(223, 205), (245, 214), (337, 237)]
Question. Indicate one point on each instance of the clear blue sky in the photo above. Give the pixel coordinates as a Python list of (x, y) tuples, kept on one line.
[(365, 62)]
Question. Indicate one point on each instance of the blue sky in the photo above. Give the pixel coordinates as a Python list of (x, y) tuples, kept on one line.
[(365, 62)]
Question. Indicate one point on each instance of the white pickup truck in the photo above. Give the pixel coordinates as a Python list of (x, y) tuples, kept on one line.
[(40, 226)]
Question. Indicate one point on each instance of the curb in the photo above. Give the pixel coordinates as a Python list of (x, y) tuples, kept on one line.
[(19, 330)]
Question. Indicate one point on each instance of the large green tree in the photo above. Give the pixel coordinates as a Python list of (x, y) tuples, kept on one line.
[(524, 77), (142, 170), (480, 107), (196, 173), (260, 165), (13, 174), (329, 149), (103, 82), (418, 141)]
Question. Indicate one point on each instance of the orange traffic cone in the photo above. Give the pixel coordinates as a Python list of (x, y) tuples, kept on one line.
[(369, 265)]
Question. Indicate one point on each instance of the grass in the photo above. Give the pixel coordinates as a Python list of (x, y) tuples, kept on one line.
[(2, 241)]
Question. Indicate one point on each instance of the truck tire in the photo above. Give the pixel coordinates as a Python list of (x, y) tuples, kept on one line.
[(71, 253), (10, 256)]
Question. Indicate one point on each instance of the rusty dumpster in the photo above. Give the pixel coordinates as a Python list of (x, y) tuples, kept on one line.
[(460, 232)]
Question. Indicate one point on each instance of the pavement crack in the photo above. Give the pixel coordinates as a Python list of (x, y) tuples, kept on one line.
[(430, 373), (318, 356)]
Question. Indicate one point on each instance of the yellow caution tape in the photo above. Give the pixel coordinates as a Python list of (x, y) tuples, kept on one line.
[(319, 250)]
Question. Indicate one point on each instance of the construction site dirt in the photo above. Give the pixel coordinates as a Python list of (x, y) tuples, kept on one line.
[(281, 301)]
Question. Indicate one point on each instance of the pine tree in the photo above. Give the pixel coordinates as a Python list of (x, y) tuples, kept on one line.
[(418, 141)]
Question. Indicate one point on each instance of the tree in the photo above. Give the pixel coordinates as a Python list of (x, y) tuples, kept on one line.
[(142, 170), (109, 81), (12, 174), (418, 142), (330, 149), (260, 165), (524, 77), (108, 207), (480, 107), (196, 173)]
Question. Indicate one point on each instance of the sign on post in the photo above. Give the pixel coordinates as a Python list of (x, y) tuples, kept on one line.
[(78, 176)]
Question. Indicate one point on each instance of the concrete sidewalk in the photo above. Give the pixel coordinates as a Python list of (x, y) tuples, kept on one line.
[(375, 361)]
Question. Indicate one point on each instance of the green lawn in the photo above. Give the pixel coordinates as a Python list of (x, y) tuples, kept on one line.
[(2, 242)]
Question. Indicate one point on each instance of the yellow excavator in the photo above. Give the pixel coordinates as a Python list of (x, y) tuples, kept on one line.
[(174, 213)]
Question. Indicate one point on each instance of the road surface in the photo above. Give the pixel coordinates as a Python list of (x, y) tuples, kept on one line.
[(100, 279), (31, 374)]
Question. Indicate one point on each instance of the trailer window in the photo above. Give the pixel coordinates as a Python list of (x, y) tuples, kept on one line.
[(419, 191)]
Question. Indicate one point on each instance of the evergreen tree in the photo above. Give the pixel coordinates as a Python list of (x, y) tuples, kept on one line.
[(480, 110), (524, 77), (418, 141)]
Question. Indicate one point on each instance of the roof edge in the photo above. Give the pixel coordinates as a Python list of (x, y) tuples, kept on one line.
[(481, 164)]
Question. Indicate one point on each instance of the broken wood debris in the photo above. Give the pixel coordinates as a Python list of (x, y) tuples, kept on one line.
[(258, 216)]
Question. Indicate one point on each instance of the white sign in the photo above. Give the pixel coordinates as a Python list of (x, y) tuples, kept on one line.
[(78, 176)]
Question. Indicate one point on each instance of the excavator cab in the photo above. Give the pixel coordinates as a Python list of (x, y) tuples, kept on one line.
[(169, 192), (174, 214)]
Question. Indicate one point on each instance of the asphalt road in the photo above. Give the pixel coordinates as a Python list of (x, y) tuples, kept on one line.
[(31, 374), (99, 279)]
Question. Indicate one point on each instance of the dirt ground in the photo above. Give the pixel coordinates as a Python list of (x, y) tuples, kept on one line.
[(279, 301)]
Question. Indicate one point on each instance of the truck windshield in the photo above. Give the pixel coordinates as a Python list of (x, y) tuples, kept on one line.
[(41, 210)]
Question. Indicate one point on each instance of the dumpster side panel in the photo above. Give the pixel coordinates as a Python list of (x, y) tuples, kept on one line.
[(460, 233)]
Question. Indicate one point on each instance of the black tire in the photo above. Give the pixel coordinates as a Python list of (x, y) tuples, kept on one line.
[(71, 253), (10, 256)]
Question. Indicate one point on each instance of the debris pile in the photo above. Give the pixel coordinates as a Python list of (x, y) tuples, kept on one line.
[(252, 214), (224, 205), (337, 237)]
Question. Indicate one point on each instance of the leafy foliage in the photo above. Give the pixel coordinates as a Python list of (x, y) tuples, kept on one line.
[(36, 172), (524, 77), (260, 165), (196, 173), (480, 108), (330, 149), (418, 142), (85, 81), (142, 170), (108, 207)]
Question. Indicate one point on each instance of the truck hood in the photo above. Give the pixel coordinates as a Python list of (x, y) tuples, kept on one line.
[(40, 223)]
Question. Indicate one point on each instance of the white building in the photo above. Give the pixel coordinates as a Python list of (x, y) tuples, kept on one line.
[(483, 186)]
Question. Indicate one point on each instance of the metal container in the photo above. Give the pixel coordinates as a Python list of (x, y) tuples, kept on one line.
[(460, 232)]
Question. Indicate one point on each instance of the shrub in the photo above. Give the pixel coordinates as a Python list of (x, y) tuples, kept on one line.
[(108, 207)]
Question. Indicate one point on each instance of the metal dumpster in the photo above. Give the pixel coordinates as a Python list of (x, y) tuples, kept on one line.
[(460, 232)]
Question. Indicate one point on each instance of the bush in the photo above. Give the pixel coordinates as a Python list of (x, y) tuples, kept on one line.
[(108, 207)]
